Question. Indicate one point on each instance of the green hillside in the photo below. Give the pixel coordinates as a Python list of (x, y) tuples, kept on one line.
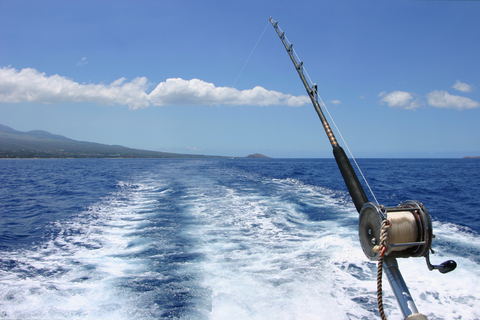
[(42, 144)]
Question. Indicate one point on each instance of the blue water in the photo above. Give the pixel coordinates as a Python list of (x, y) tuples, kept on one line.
[(224, 239)]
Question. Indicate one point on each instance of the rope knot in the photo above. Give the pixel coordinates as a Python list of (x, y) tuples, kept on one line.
[(383, 247)]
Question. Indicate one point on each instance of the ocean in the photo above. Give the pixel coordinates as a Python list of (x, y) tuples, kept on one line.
[(224, 239)]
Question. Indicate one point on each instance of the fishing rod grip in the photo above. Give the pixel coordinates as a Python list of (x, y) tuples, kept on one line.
[(350, 177)]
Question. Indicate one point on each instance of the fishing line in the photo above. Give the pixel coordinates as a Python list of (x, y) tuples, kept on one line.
[(410, 233), (250, 54), (339, 132), (330, 116), (296, 55), (349, 151), (233, 86)]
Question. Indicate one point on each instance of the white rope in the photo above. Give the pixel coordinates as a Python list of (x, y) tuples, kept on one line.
[(250, 54)]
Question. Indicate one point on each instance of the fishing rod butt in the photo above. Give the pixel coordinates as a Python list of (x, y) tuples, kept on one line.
[(350, 177)]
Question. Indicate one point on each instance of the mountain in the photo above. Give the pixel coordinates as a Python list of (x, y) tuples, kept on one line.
[(43, 144), (257, 156)]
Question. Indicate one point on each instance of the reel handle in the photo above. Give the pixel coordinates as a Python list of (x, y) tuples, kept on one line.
[(444, 267)]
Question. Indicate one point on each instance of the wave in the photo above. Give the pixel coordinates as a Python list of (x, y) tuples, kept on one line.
[(190, 240)]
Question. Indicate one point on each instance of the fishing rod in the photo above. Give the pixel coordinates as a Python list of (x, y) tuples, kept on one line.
[(385, 233)]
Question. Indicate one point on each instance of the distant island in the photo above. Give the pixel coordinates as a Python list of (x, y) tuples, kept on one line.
[(257, 156), (43, 144), (467, 157)]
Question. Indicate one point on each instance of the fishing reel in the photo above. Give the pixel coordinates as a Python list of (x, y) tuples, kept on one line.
[(409, 234)]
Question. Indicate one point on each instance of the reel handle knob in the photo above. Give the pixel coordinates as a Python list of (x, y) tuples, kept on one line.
[(447, 266), (444, 267)]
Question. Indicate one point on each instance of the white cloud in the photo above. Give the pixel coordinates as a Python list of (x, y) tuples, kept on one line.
[(400, 100), (442, 99), (336, 101), (460, 86), (177, 91), (29, 85), (82, 62)]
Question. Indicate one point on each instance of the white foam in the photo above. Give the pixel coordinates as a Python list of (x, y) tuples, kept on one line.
[(284, 268), (74, 274), (263, 257)]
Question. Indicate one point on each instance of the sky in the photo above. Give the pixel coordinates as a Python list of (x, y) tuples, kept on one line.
[(399, 78)]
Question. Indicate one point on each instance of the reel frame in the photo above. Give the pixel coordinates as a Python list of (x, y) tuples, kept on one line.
[(370, 225)]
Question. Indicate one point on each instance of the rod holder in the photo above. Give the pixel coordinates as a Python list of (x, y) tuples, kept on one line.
[(400, 289)]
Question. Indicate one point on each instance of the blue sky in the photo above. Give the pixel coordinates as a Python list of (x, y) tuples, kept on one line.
[(400, 78)]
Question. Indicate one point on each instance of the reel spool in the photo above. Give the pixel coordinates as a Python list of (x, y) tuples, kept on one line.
[(410, 233)]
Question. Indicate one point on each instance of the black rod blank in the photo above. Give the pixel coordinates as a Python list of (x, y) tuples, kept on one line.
[(351, 179), (349, 176)]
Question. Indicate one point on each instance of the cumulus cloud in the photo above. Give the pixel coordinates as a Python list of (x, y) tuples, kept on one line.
[(400, 100), (442, 99), (178, 91), (29, 85), (460, 86), (336, 101)]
